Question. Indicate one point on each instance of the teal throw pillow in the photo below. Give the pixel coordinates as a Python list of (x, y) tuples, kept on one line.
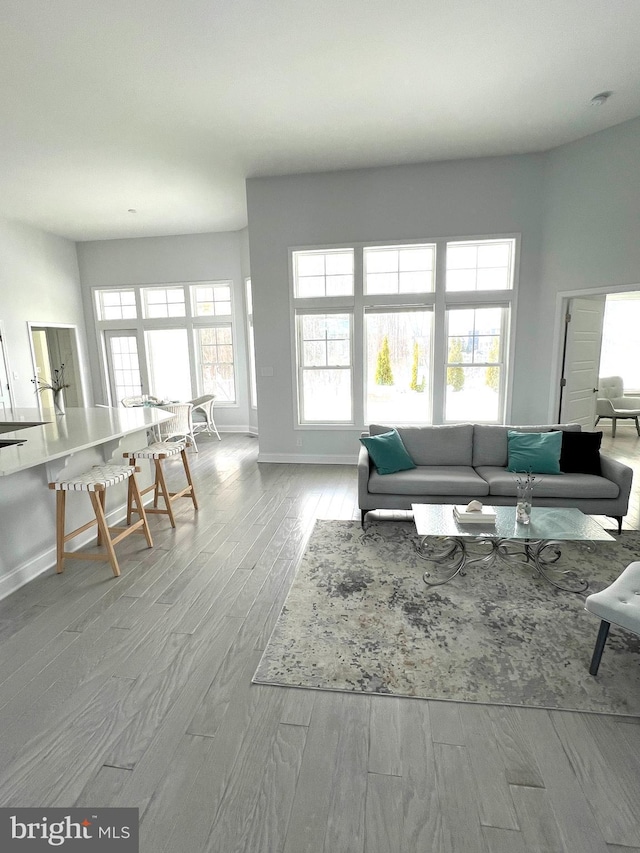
[(388, 452), (538, 452)]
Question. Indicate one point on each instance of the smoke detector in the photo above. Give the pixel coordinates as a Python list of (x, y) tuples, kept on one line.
[(600, 99)]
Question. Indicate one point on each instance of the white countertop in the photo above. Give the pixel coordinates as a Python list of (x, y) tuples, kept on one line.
[(62, 435)]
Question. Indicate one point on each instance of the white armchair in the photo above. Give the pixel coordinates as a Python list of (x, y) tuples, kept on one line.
[(180, 425), (203, 415), (611, 403)]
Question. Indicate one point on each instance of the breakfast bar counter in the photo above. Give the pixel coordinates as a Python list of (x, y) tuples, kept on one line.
[(63, 445)]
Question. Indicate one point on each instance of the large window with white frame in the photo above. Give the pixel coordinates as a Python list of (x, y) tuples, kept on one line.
[(172, 341), (325, 375), (413, 333)]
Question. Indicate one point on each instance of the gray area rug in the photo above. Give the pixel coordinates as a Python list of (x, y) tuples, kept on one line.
[(359, 618)]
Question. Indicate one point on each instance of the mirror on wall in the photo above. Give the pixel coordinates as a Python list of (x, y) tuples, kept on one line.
[(51, 347)]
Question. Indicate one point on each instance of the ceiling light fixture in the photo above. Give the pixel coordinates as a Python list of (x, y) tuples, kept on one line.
[(600, 99)]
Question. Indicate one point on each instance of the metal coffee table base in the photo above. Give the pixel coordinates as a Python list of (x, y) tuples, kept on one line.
[(455, 554)]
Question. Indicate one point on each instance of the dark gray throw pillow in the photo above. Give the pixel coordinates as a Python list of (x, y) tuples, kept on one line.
[(580, 453)]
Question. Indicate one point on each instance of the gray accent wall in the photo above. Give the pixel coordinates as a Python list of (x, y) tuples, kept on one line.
[(454, 199)]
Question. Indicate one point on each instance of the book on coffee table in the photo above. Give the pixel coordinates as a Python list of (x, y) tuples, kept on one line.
[(486, 515)]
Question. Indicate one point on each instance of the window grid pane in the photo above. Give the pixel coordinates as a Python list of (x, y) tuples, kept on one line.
[(216, 362), (400, 269), (318, 274), (324, 349), (125, 367), (116, 304), (481, 265), (163, 302), (211, 300), (474, 370)]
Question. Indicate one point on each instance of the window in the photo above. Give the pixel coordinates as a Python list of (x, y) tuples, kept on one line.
[(384, 333), (482, 265), (168, 364), (326, 273), (124, 366), (474, 363), (620, 355), (179, 346), (116, 305), (324, 341), (399, 269), (215, 349), (163, 302), (398, 366), (212, 300)]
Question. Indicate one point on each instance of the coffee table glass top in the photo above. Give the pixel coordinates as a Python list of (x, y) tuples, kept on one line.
[(560, 523)]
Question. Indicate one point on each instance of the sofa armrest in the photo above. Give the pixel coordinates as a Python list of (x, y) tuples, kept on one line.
[(364, 469), (618, 473)]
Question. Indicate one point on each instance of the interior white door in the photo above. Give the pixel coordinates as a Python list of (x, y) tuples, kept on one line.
[(581, 362)]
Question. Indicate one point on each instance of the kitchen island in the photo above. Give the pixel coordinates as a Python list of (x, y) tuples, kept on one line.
[(64, 445)]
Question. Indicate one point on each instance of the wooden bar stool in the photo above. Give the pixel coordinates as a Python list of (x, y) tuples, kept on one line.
[(159, 451), (96, 482)]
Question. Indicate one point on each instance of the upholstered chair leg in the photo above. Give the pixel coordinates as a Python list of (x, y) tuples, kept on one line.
[(637, 425), (363, 514), (599, 648), (614, 421), (597, 421)]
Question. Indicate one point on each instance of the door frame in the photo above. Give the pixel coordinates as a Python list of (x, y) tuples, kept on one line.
[(5, 355), (78, 373), (562, 304)]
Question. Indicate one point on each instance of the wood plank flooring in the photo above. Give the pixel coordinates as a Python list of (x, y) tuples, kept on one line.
[(136, 691)]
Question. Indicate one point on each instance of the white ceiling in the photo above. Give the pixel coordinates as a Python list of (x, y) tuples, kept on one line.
[(166, 106)]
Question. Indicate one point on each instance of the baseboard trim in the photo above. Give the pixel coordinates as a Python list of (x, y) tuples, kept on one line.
[(46, 561), (308, 458)]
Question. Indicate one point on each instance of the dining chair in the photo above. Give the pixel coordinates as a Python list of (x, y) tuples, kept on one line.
[(202, 415), (180, 425)]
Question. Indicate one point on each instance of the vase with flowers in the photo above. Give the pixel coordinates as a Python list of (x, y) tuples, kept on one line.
[(524, 497), (56, 386)]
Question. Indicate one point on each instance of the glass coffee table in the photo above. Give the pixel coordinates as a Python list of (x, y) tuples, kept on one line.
[(456, 546)]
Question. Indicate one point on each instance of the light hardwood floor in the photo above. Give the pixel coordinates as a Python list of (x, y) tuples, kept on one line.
[(136, 692)]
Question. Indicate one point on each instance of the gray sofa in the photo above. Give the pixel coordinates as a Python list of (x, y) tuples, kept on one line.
[(459, 462)]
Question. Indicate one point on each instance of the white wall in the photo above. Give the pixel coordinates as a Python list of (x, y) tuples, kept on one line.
[(591, 223), (462, 198), (163, 260), (39, 282)]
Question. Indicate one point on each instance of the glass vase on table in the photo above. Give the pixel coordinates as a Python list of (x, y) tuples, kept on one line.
[(524, 497)]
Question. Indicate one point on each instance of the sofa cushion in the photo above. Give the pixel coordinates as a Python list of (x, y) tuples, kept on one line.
[(537, 452), (581, 453), (490, 441), (451, 444), (569, 486), (430, 480), (388, 452)]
